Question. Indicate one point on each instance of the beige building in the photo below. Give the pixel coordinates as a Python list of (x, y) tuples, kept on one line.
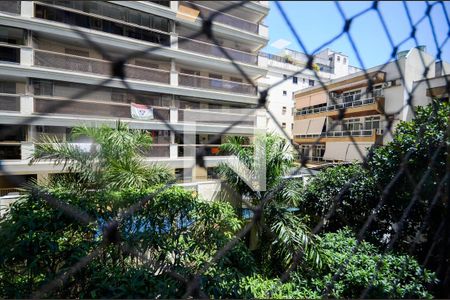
[(323, 137), (46, 63)]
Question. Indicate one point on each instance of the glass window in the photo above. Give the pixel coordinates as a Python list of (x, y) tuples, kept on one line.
[(11, 35), (284, 93), (311, 82), (43, 88), (7, 87), (294, 80)]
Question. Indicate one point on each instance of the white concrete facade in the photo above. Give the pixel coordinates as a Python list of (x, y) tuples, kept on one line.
[(53, 61)]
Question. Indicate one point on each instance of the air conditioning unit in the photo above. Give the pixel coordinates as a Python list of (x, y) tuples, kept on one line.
[(387, 84)]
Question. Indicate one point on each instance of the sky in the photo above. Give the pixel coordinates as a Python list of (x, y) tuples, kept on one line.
[(317, 22)]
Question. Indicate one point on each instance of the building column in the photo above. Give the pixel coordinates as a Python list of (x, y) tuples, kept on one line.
[(173, 73), (26, 105), (42, 178), (26, 56), (27, 9)]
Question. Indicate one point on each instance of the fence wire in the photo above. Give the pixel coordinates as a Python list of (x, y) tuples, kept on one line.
[(192, 283)]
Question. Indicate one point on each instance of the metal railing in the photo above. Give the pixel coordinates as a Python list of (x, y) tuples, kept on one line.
[(96, 66), (9, 102), (315, 110), (187, 150), (215, 84), (343, 133), (214, 117), (198, 46), (92, 108), (224, 18)]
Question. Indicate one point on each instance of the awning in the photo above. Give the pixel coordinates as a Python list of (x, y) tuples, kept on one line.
[(302, 102), (301, 127), (354, 154), (335, 151), (316, 125), (346, 151), (319, 98)]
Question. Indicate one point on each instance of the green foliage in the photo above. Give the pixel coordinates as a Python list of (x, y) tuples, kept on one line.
[(170, 230), (399, 276), (114, 161), (279, 234)]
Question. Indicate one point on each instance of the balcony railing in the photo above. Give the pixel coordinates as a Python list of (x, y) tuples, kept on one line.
[(9, 102), (10, 6), (157, 150), (117, 24), (97, 66), (361, 102), (10, 150), (9, 53), (368, 132), (215, 84), (91, 108), (186, 150), (214, 117), (224, 18), (213, 50)]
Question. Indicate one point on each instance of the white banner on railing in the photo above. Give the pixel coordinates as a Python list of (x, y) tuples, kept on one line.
[(141, 112)]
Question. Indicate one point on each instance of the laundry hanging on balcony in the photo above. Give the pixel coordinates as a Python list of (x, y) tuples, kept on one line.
[(141, 112)]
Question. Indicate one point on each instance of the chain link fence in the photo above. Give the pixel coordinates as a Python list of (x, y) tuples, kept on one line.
[(118, 68)]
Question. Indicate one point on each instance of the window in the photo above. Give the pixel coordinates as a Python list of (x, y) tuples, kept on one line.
[(338, 58), (43, 88), (11, 35), (292, 126), (345, 60), (372, 123), (295, 80), (304, 80), (215, 76), (311, 82), (351, 124), (284, 93), (283, 125), (284, 110), (190, 72), (7, 87), (236, 79), (352, 96), (284, 76), (9, 54)]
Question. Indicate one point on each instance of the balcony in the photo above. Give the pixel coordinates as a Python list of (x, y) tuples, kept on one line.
[(10, 150), (9, 53), (91, 108), (224, 18), (197, 46), (10, 6), (9, 102), (353, 108), (215, 84), (186, 150), (96, 66), (214, 117), (114, 21), (369, 135)]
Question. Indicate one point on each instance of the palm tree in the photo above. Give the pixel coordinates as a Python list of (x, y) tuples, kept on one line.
[(280, 232), (109, 158)]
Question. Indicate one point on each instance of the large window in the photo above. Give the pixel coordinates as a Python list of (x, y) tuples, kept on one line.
[(352, 96), (351, 124), (82, 20), (372, 123), (12, 35)]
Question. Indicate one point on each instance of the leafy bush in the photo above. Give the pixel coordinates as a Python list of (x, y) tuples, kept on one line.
[(174, 230)]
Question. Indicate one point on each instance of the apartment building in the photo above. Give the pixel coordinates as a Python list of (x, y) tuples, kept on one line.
[(284, 79), (323, 137), (56, 73)]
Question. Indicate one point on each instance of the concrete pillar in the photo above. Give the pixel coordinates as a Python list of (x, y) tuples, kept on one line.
[(26, 105), (174, 5), (27, 9), (26, 150), (173, 73), (173, 148), (26, 56), (42, 178), (173, 118)]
